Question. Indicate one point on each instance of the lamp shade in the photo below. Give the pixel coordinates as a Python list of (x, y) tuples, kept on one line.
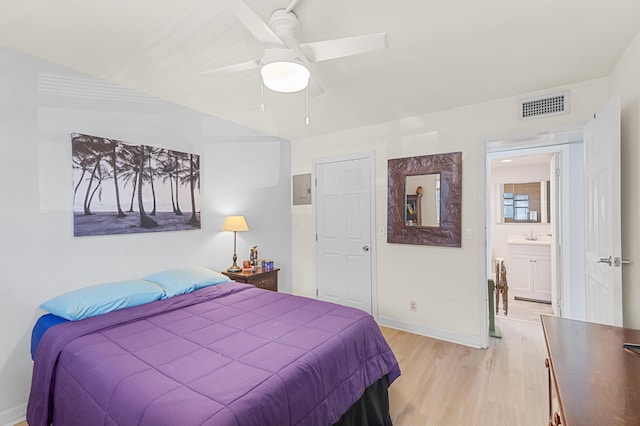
[(235, 223)]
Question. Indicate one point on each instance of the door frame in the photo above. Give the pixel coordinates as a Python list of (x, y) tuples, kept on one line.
[(527, 141), (370, 156)]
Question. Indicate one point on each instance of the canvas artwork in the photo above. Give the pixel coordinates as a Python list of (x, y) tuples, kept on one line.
[(122, 188)]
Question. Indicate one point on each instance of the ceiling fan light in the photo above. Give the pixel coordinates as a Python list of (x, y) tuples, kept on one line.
[(285, 76)]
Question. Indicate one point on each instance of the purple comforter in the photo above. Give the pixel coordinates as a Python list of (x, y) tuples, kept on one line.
[(230, 354)]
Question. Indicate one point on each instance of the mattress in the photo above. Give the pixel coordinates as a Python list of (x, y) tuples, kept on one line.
[(230, 354)]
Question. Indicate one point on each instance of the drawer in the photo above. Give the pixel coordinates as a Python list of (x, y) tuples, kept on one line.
[(530, 249), (269, 282)]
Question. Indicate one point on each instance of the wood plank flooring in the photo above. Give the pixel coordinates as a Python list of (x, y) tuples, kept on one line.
[(448, 384)]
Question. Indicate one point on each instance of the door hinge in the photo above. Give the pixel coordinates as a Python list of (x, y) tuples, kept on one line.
[(316, 237), (317, 293), (557, 172)]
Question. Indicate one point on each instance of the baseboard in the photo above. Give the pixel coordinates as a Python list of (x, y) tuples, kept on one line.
[(13, 415), (435, 333)]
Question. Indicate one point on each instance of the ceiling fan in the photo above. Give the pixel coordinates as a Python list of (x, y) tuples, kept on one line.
[(284, 66)]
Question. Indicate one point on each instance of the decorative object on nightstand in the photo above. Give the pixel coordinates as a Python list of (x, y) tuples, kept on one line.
[(235, 224), (261, 278), (253, 257)]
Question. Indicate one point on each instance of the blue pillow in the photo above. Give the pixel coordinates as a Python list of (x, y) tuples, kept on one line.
[(102, 298), (185, 280)]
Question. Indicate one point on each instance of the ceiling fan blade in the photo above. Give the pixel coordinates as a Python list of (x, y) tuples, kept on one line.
[(318, 51), (256, 26), (243, 66)]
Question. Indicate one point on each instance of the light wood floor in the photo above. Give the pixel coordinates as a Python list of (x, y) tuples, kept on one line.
[(448, 384), (525, 311)]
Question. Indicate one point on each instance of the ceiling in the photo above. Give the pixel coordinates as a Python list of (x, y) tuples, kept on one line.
[(441, 54)]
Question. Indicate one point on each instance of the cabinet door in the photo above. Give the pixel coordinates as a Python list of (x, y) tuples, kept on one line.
[(542, 278), (519, 276)]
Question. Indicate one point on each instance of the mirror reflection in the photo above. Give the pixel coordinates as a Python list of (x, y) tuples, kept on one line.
[(422, 199), (524, 202)]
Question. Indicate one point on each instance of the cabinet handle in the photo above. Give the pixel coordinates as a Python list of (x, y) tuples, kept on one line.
[(365, 248)]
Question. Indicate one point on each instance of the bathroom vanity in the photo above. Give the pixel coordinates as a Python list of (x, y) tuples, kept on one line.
[(529, 267)]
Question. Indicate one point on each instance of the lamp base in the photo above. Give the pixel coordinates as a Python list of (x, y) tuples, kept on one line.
[(234, 267)]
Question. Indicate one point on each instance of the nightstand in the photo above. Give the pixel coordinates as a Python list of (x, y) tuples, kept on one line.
[(267, 280)]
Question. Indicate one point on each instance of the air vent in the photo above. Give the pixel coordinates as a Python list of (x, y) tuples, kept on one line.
[(544, 106)]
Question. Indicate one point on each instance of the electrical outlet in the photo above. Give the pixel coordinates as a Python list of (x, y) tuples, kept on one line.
[(413, 305)]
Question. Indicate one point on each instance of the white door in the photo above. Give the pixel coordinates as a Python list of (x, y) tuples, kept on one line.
[(602, 216), (343, 209)]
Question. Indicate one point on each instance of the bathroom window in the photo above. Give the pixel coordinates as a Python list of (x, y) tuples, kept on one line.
[(516, 207), (521, 207), (524, 202)]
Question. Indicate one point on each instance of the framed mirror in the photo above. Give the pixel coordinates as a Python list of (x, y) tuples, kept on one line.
[(424, 200)]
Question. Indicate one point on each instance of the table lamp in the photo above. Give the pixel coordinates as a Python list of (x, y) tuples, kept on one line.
[(235, 224)]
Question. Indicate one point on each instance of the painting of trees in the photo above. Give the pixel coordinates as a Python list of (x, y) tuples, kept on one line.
[(107, 172)]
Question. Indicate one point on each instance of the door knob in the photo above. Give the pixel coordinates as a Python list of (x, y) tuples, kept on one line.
[(365, 248), (606, 260)]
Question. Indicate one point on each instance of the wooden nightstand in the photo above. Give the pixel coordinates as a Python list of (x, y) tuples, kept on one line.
[(267, 280)]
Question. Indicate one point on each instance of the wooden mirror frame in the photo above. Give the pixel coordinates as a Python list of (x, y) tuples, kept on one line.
[(449, 233)]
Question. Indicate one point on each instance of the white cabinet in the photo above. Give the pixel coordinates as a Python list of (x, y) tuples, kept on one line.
[(529, 271)]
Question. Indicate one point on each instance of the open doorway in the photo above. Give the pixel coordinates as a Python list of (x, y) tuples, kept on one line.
[(530, 229), (522, 230)]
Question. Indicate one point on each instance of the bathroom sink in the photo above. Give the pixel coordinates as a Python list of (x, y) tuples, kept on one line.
[(526, 239)]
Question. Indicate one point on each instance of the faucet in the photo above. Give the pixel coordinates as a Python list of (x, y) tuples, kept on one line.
[(531, 236)]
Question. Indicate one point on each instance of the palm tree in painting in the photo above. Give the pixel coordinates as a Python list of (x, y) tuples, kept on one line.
[(178, 175), (113, 148), (129, 169), (145, 219), (102, 174), (93, 152), (82, 159), (166, 170), (150, 173), (194, 176)]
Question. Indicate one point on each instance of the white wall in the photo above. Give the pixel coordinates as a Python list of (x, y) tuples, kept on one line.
[(624, 81), (446, 282), (242, 172)]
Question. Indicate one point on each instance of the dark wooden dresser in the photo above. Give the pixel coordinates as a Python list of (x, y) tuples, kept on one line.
[(595, 380), (266, 279)]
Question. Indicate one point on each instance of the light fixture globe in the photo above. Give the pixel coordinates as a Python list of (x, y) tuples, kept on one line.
[(282, 72)]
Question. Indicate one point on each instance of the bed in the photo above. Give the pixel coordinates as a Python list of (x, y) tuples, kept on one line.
[(224, 354)]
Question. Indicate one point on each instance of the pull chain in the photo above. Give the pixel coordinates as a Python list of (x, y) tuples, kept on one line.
[(261, 96), (306, 119)]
